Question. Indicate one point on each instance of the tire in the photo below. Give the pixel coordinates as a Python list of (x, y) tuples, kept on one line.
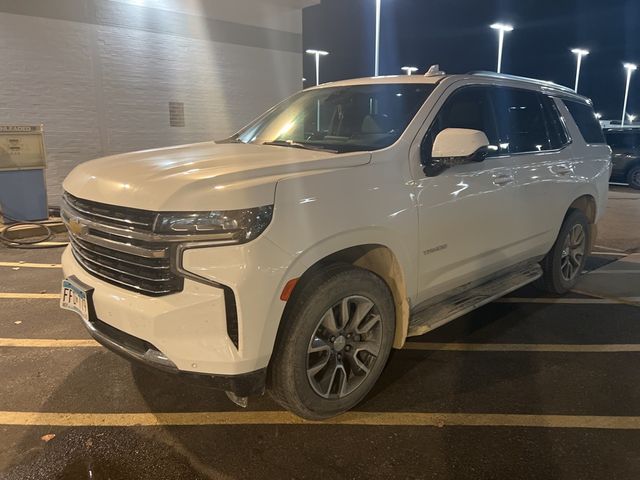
[(308, 339), (564, 263), (633, 177)]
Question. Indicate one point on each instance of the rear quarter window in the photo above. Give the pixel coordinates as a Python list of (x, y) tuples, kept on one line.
[(585, 118)]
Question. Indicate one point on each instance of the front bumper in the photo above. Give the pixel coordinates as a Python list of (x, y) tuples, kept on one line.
[(138, 350), (188, 327)]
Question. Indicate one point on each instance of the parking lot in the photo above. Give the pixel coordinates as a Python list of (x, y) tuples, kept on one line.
[(527, 387)]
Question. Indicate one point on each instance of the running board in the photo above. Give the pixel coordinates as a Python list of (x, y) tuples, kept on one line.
[(436, 314)]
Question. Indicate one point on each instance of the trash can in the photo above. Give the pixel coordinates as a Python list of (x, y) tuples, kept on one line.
[(23, 191)]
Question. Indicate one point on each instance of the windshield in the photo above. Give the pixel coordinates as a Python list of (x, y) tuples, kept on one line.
[(340, 119)]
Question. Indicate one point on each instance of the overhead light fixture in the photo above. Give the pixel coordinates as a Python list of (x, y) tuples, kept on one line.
[(630, 68), (317, 54), (501, 28), (579, 52)]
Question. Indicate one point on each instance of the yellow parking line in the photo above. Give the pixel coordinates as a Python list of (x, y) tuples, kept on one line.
[(522, 347), (561, 300), (425, 346), (30, 265), (615, 272), (284, 418), (46, 343), (6, 295), (610, 248), (500, 300)]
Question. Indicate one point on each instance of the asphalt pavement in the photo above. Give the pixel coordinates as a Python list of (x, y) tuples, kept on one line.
[(531, 386)]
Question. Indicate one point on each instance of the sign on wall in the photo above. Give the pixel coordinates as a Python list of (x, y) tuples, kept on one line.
[(21, 147)]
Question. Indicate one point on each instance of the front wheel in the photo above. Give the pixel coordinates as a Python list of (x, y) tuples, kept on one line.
[(334, 342), (564, 263)]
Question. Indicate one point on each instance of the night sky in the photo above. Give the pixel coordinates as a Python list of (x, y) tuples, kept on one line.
[(456, 34)]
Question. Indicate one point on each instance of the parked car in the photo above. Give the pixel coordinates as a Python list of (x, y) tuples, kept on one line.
[(625, 143), (294, 255)]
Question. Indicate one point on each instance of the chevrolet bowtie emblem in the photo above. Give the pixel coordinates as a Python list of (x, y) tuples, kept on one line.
[(76, 227)]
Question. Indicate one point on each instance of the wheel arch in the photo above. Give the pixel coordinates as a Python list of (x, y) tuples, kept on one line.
[(586, 204), (380, 260)]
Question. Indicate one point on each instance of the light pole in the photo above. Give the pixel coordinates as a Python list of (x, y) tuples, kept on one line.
[(501, 28), (579, 52), (409, 70), (630, 68), (377, 59), (317, 54)]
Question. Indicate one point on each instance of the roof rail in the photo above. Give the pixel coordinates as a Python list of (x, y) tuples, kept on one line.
[(524, 79)]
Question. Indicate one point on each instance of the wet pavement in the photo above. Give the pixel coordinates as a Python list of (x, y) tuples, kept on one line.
[(552, 392)]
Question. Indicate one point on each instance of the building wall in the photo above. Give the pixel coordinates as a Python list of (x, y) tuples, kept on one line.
[(99, 74)]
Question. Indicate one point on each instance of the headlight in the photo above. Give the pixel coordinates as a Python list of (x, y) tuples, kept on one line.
[(239, 225)]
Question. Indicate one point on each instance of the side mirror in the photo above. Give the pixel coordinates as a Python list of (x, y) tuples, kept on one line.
[(456, 146)]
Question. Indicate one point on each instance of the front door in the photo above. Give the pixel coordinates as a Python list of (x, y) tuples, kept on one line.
[(466, 212)]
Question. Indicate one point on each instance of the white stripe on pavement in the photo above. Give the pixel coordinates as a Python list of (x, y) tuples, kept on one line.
[(406, 419)]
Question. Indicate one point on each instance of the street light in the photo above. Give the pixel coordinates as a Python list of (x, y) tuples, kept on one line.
[(579, 52), (630, 68), (409, 70), (317, 54), (501, 27), (631, 117), (377, 59), (598, 115)]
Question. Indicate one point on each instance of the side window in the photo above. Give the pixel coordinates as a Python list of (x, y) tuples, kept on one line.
[(521, 120), (586, 120), (623, 140), (468, 107), (558, 135)]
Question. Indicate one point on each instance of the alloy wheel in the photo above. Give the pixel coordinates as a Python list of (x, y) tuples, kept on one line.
[(573, 251), (344, 347)]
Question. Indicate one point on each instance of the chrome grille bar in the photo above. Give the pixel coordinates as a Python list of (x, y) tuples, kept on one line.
[(122, 283), (87, 259), (88, 209), (77, 243)]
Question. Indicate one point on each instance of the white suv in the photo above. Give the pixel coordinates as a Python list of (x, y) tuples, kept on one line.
[(296, 254)]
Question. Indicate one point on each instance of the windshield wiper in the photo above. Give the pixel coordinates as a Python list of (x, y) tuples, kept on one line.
[(305, 146), (233, 139)]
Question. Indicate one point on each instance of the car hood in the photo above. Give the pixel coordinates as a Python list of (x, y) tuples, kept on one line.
[(201, 176)]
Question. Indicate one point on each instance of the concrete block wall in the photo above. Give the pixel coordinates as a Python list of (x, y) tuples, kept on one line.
[(100, 74)]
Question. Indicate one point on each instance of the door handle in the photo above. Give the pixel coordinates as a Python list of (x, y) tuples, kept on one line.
[(502, 179), (562, 170)]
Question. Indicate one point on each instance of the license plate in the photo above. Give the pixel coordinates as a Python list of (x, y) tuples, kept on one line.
[(74, 297)]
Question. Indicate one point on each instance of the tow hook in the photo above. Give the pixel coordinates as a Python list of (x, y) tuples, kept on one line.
[(240, 401)]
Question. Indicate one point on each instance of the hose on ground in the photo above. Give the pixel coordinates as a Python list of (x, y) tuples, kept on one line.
[(38, 241)]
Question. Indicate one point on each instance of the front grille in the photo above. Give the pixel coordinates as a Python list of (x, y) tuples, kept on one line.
[(131, 218), (109, 242)]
